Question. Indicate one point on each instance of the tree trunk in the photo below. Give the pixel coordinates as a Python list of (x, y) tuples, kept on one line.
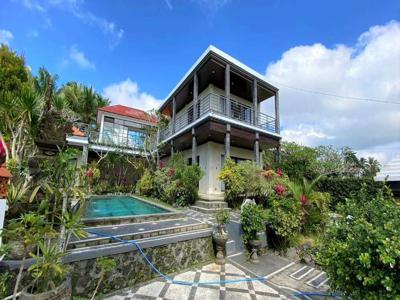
[(21, 268), (3, 143), (62, 228)]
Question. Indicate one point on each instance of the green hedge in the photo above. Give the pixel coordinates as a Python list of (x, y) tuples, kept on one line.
[(342, 188)]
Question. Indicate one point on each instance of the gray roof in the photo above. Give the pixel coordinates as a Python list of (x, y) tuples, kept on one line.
[(391, 170)]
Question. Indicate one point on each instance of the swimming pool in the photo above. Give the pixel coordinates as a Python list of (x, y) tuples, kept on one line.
[(118, 206), (103, 210)]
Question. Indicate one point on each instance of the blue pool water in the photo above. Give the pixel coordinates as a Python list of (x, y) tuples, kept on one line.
[(119, 206)]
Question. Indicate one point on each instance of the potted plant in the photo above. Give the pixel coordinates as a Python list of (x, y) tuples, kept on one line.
[(220, 235), (50, 280), (252, 220)]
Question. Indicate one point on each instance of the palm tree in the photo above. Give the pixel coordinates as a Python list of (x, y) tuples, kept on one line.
[(372, 166), (46, 84)]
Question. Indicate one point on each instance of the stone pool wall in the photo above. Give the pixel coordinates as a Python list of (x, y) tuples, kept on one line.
[(132, 269)]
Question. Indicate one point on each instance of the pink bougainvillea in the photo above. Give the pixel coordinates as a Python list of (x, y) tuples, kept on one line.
[(303, 200), (280, 189), (279, 172), (171, 172), (89, 173)]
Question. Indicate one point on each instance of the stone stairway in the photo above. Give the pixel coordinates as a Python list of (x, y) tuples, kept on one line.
[(138, 232), (210, 204)]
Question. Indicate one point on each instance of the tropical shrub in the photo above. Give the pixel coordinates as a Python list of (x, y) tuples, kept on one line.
[(252, 220), (283, 220), (222, 217), (314, 205), (342, 188), (360, 250), (176, 183)]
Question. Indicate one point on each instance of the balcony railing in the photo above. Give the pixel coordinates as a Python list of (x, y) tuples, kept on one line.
[(218, 105), (121, 139)]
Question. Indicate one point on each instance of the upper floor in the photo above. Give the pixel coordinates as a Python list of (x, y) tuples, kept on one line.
[(220, 87), (118, 127)]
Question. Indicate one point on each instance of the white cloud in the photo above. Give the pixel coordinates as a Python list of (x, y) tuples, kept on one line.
[(6, 36), (127, 93), (75, 7), (79, 58), (211, 7), (369, 69)]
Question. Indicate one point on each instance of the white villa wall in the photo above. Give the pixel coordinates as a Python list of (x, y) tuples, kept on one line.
[(211, 163)]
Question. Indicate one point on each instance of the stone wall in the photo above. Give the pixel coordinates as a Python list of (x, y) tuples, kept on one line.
[(132, 269)]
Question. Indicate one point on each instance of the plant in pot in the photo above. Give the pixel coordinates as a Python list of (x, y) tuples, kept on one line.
[(252, 220), (50, 280), (220, 235)]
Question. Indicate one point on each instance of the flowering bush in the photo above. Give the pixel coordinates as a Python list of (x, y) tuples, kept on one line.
[(176, 183), (360, 251)]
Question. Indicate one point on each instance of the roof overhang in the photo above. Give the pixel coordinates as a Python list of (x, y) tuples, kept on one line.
[(218, 56)]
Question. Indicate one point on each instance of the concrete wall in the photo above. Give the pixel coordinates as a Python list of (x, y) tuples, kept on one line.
[(211, 163)]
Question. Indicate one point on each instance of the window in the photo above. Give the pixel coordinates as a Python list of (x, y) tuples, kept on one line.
[(109, 119)]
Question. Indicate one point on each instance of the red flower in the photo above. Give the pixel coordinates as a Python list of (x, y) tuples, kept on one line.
[(303, 200), (279, 172), (89, 174), (280, 189), (171, 172), (162, 164)]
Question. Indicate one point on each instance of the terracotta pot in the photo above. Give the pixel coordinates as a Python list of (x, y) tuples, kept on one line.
[(220, 245), (255, 246), (61, 292), (17, 251)]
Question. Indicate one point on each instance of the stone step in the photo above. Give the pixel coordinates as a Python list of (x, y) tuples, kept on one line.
[(211, 204), (211, 197), (137, 231), (207, 210)]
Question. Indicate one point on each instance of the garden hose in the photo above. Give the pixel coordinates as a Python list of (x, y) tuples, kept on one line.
[(180, 282)]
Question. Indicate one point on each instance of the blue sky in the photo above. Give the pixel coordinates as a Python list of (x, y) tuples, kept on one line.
[(141, 49)]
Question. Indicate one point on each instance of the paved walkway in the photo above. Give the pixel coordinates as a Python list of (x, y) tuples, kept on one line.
[(160, 289)]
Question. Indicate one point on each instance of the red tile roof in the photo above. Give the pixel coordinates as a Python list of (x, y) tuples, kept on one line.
[(129, 112)]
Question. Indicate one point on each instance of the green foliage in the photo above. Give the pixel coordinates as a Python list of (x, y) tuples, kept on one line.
[(13, 72), (4, 284), (48, 270), (177, 183), (342, 188), (104, 265), (241, 180), (222, 217), (296, 161), (314, 205), (252, 220), (360, 250)]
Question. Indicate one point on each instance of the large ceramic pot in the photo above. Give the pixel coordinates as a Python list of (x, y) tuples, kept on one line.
[(61, 292), (220, 240), (255, 246)]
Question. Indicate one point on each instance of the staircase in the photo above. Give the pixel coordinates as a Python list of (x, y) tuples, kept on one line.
[(209, 204)]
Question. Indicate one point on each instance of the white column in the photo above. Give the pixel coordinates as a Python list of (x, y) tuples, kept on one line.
[(195, 96), (173, 114), (194, 147), (255, 103), (3, 208), (85, 154), (101, 128), (228, 89), (228, 141), (277, 120)]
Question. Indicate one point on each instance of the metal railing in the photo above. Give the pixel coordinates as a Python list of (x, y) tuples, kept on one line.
[(124, 139), (219, 105)]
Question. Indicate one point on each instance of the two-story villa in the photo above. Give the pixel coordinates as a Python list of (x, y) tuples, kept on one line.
[(214, 113)]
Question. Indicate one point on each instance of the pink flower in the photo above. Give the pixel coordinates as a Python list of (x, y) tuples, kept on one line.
[(89, 174), (279, 172), (303, 200), (171, 172), (162, 164), (280, 189)]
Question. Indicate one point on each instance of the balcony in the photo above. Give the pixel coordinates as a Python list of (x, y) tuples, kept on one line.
[(112, 139), (216, 105)]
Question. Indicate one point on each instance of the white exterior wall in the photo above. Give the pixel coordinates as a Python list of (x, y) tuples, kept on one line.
[(211, 162)]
